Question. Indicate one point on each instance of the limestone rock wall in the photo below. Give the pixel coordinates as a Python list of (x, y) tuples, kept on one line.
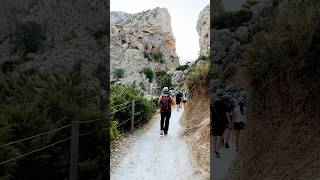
[(136, 38), (203, 28)]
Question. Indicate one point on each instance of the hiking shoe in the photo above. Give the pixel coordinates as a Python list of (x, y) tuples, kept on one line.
[(161, 133), (226, 145), (217, 154)]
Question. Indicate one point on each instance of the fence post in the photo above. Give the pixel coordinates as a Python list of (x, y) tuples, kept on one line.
[(132, 116), (74, 150)]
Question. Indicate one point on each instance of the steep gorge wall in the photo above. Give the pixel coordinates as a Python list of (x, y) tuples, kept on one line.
[(203, 29), (136, 39), (277, 63)]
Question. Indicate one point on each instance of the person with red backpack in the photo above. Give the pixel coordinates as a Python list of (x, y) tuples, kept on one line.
[(165, 101)]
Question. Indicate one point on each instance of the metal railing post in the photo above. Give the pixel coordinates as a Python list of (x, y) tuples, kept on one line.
[(74, 150), (132, 116)]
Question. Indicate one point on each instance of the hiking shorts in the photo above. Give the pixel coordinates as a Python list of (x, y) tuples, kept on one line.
[(217, 129), (238, 126)]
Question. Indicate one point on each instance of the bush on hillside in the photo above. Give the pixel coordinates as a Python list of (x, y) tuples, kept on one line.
[(163, 79), (204, 57), (30, 36), (182, 67), (33, 105), (119, 73), (125, 95), (149, 73), (158, 56), (199, 73), (231, 20)]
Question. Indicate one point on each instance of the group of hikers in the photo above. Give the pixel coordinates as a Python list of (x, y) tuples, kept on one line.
[(227, 115), (166, 101)]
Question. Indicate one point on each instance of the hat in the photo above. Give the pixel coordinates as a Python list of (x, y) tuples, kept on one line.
[(219, 93), (165, 90)]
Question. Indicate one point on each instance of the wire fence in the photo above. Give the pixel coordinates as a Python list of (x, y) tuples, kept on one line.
[(74, 137)]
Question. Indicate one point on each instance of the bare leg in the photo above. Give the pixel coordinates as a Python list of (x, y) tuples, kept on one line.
[(237, 138), (218, 144), (227, 137)]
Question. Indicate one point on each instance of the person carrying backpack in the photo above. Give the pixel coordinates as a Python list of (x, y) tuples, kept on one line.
[(239, 120), (179, 98), (219, 117), (165, 102), (229, 102)]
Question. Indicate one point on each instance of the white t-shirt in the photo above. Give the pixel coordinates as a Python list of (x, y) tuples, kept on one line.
[(240, 117)]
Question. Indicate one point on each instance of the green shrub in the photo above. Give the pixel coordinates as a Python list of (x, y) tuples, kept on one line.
[(158, 56), (231, 20), (119, 73), (122, 94), (182, 67), (199, 73), (204, 57), (33, 105), (113, 130), (149, 73), (30, 36), (163, 79)]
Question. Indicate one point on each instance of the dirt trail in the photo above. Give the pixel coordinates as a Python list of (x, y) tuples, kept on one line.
[(220, 167), (155, 157)]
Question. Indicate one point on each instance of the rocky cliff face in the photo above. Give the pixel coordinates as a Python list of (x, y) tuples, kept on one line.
[(203, 28), (227, 43), (141, 40), (75, 31)]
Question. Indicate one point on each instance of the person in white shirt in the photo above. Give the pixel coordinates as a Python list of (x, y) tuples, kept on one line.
[(239, 112)]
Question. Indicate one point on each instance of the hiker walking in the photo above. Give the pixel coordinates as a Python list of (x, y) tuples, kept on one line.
[(184, 99), (239, 120), (229, 123), (219, 116), (171, 92), (179, 98), (165, 101)]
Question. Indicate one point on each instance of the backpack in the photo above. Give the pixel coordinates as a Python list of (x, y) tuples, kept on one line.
[(165, 103)]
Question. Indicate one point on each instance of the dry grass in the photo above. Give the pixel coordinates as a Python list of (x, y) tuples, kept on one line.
[(197, 123), (199, 73)]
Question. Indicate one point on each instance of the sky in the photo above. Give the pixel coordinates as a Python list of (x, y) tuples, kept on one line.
[(184, 16)]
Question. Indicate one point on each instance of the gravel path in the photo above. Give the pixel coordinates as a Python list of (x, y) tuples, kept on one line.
[(220, 167), (154, 157)]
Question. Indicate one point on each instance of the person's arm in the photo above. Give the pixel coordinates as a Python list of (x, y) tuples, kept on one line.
[(172, 101), (159, 100), (229, 119)]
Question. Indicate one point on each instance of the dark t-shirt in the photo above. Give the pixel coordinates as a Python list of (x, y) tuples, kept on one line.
[(178, 97), (218, 113)]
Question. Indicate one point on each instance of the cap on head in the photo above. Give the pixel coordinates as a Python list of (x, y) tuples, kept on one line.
[(165, 90), (219, 93)]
